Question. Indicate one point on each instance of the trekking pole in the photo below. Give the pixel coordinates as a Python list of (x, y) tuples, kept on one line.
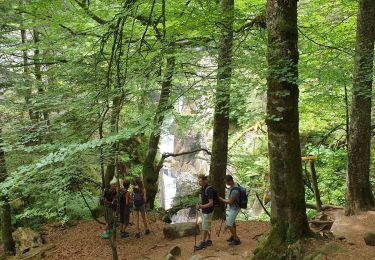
[(196, 224)]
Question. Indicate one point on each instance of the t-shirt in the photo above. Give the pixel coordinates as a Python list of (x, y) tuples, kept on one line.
[(234, 193), (207, 194), (110, 196)]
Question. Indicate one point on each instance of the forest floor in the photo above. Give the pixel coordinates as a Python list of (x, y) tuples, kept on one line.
[(83, 241)]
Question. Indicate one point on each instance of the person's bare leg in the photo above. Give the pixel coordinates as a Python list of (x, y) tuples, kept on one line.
[(204, 235), (233, 231), (144, 218)]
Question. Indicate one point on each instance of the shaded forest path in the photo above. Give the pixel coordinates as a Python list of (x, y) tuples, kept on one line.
[(83, 241)]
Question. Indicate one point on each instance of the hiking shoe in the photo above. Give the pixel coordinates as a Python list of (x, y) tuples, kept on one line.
[(235, 242), (125, 234), (138, 235), (106, 234), (208, 242), (230, 239), (200, 246), (147, 232)]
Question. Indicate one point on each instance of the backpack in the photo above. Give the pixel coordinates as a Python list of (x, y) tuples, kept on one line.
[(138, 198), (215, 196), (242, 200)]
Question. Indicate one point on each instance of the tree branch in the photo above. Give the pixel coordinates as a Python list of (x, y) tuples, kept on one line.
[(91, 14), (166, 155)]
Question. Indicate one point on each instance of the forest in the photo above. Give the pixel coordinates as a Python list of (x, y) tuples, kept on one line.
[(277, 93)]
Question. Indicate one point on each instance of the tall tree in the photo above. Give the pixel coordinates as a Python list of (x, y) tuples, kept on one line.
[(219, 156), (289, 220), (359, 196), (150, 170), (6, 223)]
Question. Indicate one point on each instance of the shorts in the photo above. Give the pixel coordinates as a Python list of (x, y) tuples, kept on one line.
[(124, 215), (141, 208), (231, 218), (206, 221)]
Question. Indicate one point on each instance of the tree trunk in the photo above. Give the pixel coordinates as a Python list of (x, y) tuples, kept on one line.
[(6, 223), (359, 196), (314, 181), (219, 156), (38, 73), (150, 173), (289, 220)]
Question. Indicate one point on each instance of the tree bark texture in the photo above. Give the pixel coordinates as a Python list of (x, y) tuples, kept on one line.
[(359, 196), (219, 151), (289, 220), (6, 223)]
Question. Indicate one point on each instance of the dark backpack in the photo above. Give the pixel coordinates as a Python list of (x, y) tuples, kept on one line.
[(242, 200), (138, 198), (215, 196)]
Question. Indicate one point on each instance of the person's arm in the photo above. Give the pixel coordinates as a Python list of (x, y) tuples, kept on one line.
[(208, 205), (144, 195), (232, 198), (127, 199)]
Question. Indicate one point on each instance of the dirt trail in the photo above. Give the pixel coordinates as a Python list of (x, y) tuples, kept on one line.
[(84, 242)]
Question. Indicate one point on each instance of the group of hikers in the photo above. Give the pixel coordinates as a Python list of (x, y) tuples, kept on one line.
[(136, 200)]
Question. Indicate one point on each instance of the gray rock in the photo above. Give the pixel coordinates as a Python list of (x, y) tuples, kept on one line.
[(196, 257), (26, 239), (170, 257), (331, 249), (175, 251), (167, 219), (179, 230), (369, 238), (248, 254)]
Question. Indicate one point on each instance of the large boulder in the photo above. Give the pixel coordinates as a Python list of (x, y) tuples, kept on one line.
[(37, 253), (26, 239), (369, 238), (179, 230)]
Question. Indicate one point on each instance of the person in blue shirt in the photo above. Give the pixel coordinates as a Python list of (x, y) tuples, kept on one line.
[(234, 209)]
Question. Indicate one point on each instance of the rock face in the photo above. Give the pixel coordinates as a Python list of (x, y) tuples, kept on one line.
[(369, 238), (26, 239), (173, 231)]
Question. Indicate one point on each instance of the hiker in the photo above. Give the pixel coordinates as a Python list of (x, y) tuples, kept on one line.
[(234, 209), (139, 206), (124, 208), (208, 194), (109, 201)]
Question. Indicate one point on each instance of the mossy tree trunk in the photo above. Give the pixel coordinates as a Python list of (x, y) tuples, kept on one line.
[(289, 220), (150, 170), (219, 156), (6, 223), (359, 196)]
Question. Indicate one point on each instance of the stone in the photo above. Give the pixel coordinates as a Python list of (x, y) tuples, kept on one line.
[(248, 254), (175, 251), (170, 257), (167, 219), (196, 257), (179, 230), (331, 249), (26, 239), (369, 238), (37, 253)]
